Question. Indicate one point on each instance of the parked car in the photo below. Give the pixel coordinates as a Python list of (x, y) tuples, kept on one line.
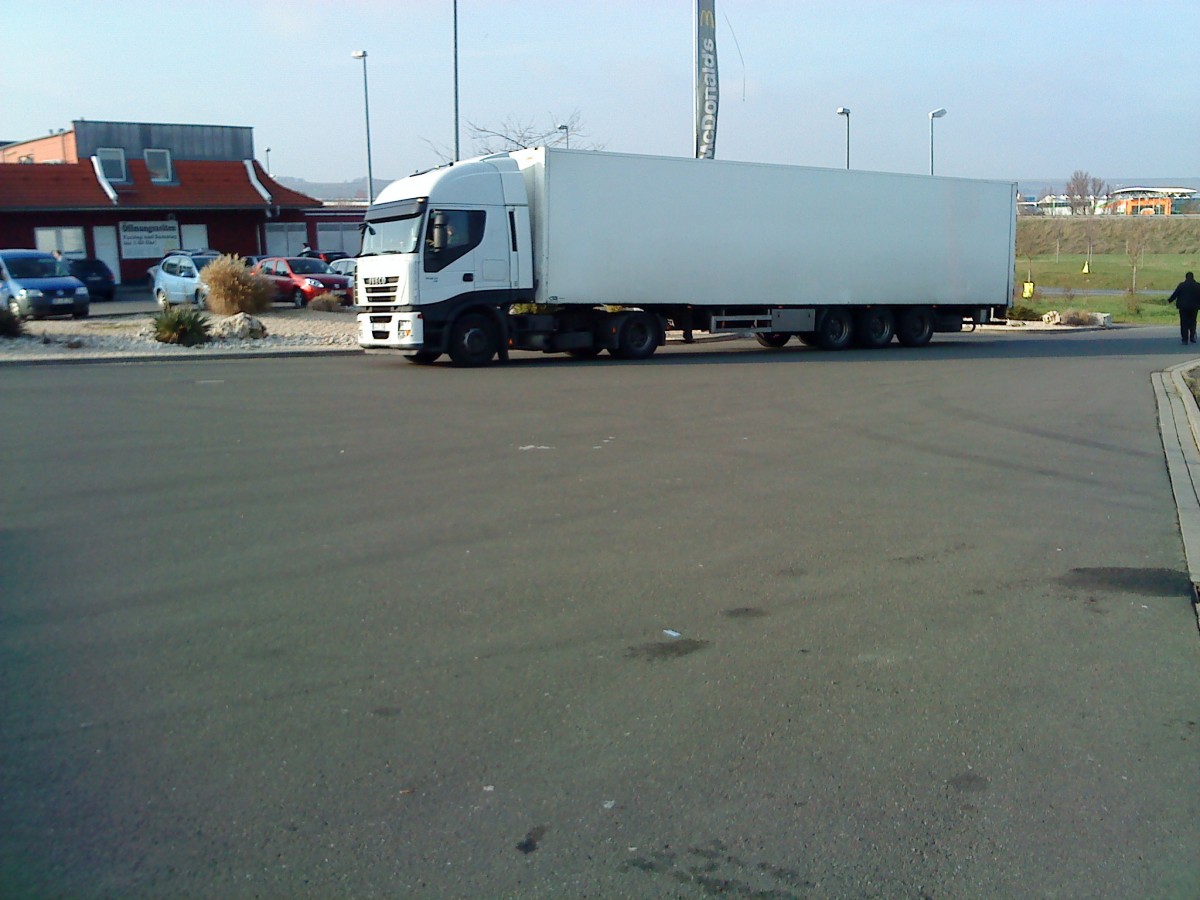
[(152, 272), (34, 283), (300, 278), (96, 276), (327, 256), (344, 266), (178, 279)]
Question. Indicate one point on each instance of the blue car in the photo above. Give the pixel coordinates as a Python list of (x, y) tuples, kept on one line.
[(35, 284)]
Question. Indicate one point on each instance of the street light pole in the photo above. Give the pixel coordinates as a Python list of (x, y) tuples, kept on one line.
[(268, 160), (566, 130), (362, 54), (845, 111), (934, 114), (456, 154)]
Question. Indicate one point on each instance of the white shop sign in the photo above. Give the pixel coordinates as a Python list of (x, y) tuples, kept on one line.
[(148, 240)]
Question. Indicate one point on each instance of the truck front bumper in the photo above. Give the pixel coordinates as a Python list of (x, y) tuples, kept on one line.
[(391, 330)]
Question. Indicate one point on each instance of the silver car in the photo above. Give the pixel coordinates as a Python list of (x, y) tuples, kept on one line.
[(345, 266), (178, 279)]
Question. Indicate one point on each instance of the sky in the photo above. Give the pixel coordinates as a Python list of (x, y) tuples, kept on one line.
[(1034, 89)]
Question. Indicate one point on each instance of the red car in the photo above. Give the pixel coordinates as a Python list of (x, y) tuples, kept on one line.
[(297, 279)]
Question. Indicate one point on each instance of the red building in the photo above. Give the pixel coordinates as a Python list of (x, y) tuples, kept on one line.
[(127, 192)]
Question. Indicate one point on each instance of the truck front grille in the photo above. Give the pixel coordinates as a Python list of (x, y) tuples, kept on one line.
[(381, 289)]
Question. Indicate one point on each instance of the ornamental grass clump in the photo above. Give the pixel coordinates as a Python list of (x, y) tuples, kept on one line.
[(326, 302), (233, 288), (181, 325), (10, 325)]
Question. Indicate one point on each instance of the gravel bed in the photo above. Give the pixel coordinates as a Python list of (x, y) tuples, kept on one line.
[(132, 337)]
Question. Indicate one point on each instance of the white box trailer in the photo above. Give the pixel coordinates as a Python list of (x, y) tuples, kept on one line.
[(583, 251)]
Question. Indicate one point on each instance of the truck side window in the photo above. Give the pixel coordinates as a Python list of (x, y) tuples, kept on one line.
[(451, 234)]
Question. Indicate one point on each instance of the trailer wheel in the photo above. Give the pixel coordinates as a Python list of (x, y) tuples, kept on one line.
[(835, 329), (422, 357), (639, 337), (473, 341), (772, 339), (874, 327), (915, 326), (808, 338)]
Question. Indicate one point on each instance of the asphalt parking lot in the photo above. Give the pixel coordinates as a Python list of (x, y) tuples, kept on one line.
[(795, 624)]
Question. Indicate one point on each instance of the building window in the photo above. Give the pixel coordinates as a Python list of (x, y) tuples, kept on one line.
[(67, 239), (158, 163), (112, 162)]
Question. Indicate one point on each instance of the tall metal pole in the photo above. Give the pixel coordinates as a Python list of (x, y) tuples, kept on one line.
[(934, 114), (456, 152), (845, 111), (362, 54)]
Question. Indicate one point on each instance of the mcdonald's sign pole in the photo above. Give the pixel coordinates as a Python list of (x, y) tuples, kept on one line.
[(707, 90)]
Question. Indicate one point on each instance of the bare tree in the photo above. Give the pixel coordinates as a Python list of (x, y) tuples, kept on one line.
[(514, 134), (1098, 189), (1077, 192), (1136, 244)]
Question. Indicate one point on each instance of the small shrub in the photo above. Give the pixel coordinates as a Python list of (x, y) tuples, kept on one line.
[(181, 325), (1024, 313), (1075, 317), (232, 288), (10, 325), (1133, 304), (326, 302)]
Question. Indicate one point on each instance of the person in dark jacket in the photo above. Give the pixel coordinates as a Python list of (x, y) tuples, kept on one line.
[(1186, 298)]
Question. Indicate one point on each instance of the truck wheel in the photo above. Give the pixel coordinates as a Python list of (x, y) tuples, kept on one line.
[(422, 357), (773, 339), (874, 327), (473, 340), (640, 336), (915, 326), (808, 338), (835, 330), (584, 352)]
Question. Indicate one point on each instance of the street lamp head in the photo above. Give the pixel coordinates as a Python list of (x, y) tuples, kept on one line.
[(937, 113), (843, 111), (362, 54)]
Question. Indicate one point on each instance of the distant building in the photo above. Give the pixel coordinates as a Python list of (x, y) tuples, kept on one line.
[(126, 192), (1130, 201), (1147, 201)]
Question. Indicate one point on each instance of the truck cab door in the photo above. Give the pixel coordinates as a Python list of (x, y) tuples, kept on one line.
[(466, 250)]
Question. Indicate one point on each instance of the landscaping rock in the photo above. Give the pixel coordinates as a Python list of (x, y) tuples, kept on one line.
[(238, 327)]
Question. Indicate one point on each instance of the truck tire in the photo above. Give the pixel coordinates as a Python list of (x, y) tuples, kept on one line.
[(772, 340), (473, 341), (835, 329), (422, 357), (914, 327), (874, 327), (639, 336)]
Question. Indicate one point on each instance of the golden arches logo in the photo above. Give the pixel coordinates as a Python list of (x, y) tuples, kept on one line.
[(708, 19)]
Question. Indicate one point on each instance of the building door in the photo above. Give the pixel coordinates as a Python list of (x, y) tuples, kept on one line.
[(286, 238), (104, 240), (193, 237)]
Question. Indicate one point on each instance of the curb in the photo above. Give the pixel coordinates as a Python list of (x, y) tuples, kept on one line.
[(1179, 427)]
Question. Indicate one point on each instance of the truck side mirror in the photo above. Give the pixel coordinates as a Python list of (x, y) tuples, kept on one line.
[(438, 231)]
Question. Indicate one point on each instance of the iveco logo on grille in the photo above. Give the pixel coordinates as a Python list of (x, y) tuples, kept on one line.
[(376, 281)]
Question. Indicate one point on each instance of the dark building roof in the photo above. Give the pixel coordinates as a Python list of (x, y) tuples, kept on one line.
[(196, 185)]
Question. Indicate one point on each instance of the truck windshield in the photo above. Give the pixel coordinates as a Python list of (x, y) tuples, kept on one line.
[(393, 227), (391, 236)]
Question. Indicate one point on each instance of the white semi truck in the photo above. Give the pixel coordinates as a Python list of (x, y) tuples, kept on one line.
[(581, 251)]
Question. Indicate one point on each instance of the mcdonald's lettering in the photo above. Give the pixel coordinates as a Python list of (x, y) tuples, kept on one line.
[(707, 19)]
